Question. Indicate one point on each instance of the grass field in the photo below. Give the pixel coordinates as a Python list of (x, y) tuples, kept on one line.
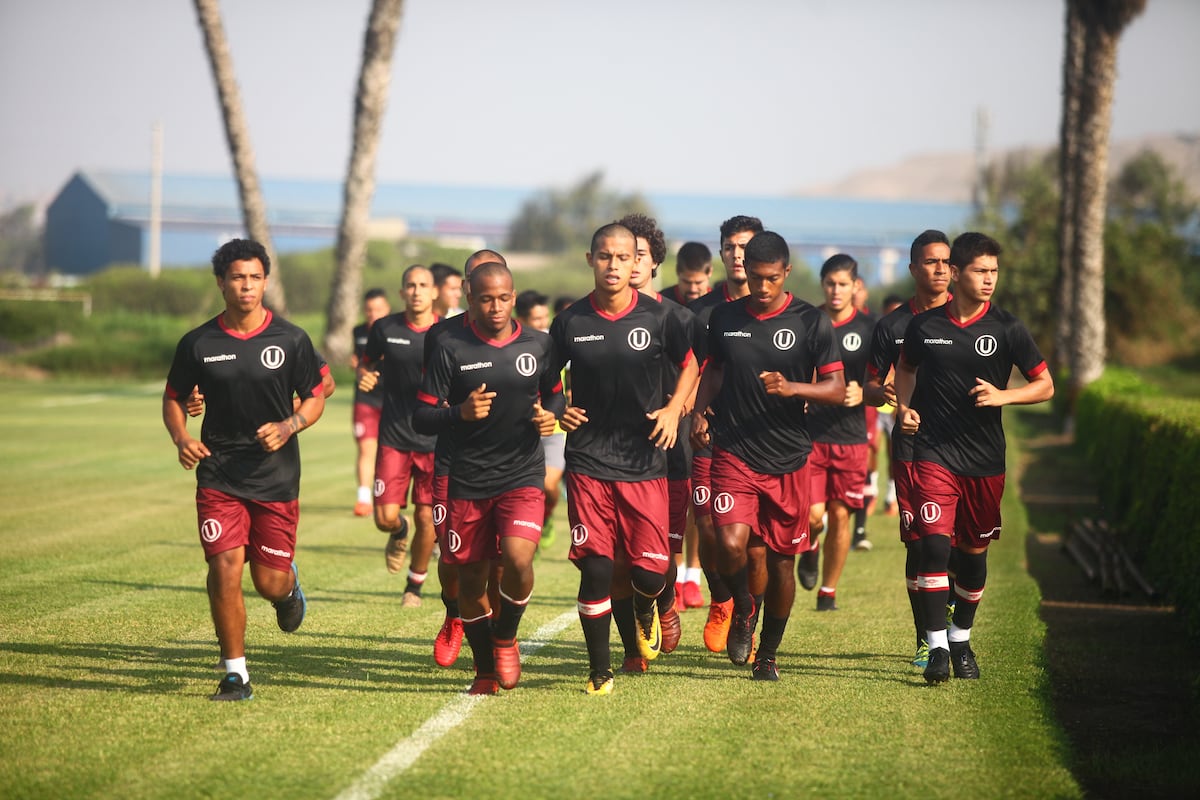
[(107, 655)]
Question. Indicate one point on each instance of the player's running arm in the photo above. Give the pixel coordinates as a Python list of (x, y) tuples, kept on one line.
[(175, 419), (666, 419)]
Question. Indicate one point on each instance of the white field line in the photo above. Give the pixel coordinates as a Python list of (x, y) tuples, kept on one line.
[(393, 763)]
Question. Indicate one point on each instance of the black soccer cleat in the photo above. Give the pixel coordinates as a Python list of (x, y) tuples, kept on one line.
[(962, 660), (938, 668), (827, 602), (765, 669), (741, 637), (232, 687), (806, 568), (289, 612)]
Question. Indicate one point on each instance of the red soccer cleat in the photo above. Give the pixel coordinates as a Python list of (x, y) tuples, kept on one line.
[(691, 595), (484, 685), (448, 642), (671, 630), (508, 663)]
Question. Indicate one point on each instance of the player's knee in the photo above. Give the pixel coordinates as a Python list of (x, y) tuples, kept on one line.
[(935, 553), (595, 577), (646, 582), (971, 569)]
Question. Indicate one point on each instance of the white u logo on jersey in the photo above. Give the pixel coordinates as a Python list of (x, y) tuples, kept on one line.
[(526, 364), (930, 513), (723, 503), (851, 342), (700, 495), (439, 513), (985, 345), (379, 487), (639, 338), (453, 541), (784, 339), (210, 530), (579, 535), (272, 357)]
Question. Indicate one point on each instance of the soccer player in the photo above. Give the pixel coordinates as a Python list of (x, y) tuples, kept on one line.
[(619, 427), (837, 468), (763, 354), (395, 352), (929, 265), (367, 405), (484, 389), (736, 233), (885, 419), (951, 383), (533, 311), (248, 364), (693, 270), (649, 252), (448, 642), (448, 284)]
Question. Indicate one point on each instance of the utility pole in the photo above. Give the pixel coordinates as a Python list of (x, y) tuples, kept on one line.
[(156, 165), (981, 159)]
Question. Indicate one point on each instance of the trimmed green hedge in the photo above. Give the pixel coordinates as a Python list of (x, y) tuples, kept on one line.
[(1144, 448)]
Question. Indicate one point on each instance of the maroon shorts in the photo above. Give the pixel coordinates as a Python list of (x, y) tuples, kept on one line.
[(267, 528), (633, 515), (441, 488), (474, 528), (679, 500), (395, 469), (702, 485), (774, 506), (964, 508), (837, 472), (366, 421), (902, 474)]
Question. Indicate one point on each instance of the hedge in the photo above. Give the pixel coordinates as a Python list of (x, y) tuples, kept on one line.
[(1144, 448)]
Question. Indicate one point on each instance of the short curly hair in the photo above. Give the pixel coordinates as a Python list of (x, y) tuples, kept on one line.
[(645, 227), (239, 250)]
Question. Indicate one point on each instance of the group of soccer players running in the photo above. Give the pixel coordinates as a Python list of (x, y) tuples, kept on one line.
[(747, 404)]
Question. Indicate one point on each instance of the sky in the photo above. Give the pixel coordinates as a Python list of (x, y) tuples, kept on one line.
[(759, 97)]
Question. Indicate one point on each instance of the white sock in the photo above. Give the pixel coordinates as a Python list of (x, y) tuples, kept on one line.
[(891, 493), (693, 575), (936, 639), (364, 494), (957, 634), (238, 666)]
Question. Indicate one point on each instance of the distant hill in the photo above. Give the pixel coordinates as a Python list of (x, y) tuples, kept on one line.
[(948, 177)]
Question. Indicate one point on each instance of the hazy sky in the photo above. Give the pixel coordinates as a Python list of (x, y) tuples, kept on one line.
[(754, 97)]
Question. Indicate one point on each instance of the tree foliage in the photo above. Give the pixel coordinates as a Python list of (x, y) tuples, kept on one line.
[(554, 221), (20, 241)]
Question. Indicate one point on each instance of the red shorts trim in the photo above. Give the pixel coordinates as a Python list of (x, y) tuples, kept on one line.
[(702, 485), (902, 474), (965, 508), (441, 492), (679, 500), (837, 472), (366, 421), (475, 527), (774, 506), (395, 469), (266, 529), (633, 515), (872, 415)]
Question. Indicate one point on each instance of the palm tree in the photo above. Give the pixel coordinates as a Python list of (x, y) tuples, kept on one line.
[(254, 209), (370, 103), (1068, 131), (1102, 21)]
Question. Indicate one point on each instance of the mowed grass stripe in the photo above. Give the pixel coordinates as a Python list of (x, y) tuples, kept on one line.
[(105, 663)]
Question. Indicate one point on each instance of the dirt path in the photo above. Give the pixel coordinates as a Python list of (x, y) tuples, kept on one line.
[(1124, 677)]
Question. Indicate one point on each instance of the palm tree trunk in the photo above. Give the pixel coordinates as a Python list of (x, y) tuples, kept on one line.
[(370, 103), (237, 133), (1068, 132), (1103, 21)]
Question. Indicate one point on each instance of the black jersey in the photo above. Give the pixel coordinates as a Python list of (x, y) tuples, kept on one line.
[(502, 451), (397, 351), (679, 457), (247, 380), (703, 307), (443, 452), (768, 432), (838, 424), (949, 356), (373, 398), (886, 341), (617, 366)]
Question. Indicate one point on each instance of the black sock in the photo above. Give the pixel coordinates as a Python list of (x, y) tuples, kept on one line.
[(718, 592), (739, 588), (451, 607), (504, 626), (622, 612), (772, 635), (479, 635), (860, 521), (595, 635), (666, 598)]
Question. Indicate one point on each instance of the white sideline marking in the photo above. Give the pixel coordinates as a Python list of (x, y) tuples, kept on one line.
[(455, 712)]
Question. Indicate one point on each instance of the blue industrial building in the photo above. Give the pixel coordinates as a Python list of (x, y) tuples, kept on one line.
[(101, 218)]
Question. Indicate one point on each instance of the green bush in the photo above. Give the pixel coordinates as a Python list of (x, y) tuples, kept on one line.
[(25, 322), (182, 292), (1145, 452)]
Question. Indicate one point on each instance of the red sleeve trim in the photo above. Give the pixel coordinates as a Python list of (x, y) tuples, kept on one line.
[(1038, 370), (318, 390), (831, 367), (428, 399), (171, 393), (687, 359)]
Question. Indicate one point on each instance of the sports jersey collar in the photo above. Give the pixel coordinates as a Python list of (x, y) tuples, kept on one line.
[(847, 320), (414, 329), (623, 312), (496, 342), (240, 335), (986, 307), (770, 314)]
